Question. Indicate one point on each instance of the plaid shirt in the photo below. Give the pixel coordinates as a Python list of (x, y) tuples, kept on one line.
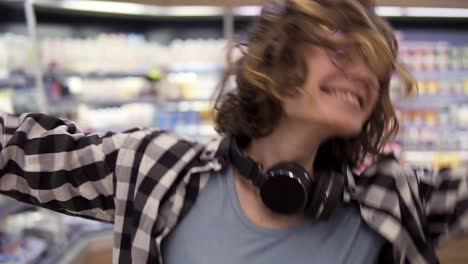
[(145, 180)]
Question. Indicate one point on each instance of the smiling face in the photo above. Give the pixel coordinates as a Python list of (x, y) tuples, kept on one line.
[(336, 97)]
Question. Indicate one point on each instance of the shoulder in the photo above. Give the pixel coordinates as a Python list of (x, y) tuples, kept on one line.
[(389, 177), (160, 144), (387, 169), (141, 139)]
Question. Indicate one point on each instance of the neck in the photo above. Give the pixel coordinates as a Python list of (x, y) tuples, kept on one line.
[(289, 142)]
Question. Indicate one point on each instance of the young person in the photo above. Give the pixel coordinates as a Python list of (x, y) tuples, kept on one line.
[(312, 100)]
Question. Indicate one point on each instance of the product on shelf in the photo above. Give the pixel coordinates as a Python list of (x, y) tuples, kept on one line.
[(107, 89), (6, 100), (189, 118), (434, 122), (190, 85), (129, 53), (116, 118), (435, 159), (15, 53), (108, 82), (434, 56), (40, 236), (21, 249)]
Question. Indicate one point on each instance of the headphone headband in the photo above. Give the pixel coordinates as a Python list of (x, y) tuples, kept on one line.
[(247, 167)]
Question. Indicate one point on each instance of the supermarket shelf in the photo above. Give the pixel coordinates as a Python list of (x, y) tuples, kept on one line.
[(187, 100), (196, 67), (23, 80), (36, 247), (117, 102), (5, 83), (62, 105), (36, 252), (201, 138), (12, 207), (67, 253), (12, 82), (427, 157), (436, 127), (198, 135), (150, 100), (429, 150), (70, 104), (102, 74), (438, 75), (434, 101), (174, 68)]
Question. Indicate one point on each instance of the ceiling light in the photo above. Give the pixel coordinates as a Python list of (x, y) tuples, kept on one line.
[(389, 11), (247, 10), (436, 12), (126, 8), (384, 11)]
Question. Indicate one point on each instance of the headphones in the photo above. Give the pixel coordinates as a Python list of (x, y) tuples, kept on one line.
[(287, 187)]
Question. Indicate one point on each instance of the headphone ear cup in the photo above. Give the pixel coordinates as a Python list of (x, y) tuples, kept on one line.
[(286, 188), (327, 194), (318, 192)]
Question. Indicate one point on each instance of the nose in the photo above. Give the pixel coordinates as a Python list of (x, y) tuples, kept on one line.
[(359, 70)]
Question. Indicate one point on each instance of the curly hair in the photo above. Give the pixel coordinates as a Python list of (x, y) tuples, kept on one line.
[(262, 76)]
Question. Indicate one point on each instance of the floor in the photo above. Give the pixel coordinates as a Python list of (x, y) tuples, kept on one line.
[(454, 252)]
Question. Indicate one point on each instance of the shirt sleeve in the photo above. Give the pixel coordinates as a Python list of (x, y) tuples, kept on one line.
[(445, 197), (50, 162)]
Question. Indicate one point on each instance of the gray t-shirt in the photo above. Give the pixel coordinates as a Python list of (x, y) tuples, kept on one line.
[(216, 230)]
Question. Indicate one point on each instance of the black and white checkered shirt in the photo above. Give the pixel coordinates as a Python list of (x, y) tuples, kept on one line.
[(145, 180)]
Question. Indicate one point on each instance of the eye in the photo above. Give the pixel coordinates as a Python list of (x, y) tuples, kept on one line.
[(339, 52), (340, 57)]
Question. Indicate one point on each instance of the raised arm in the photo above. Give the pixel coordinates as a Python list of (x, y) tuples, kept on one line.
[(51, 163)]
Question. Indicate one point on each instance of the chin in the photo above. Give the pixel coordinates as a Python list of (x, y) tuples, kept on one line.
[(346, 129)]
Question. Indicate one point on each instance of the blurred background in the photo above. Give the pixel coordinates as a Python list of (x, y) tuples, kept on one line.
[(113, 65)]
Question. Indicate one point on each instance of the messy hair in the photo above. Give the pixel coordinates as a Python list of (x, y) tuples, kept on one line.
[(263, 75)]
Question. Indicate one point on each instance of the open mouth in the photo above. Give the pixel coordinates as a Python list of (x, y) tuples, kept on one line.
[(344, 95)]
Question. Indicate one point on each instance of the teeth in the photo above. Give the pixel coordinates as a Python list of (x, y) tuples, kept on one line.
[(346, 96)]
